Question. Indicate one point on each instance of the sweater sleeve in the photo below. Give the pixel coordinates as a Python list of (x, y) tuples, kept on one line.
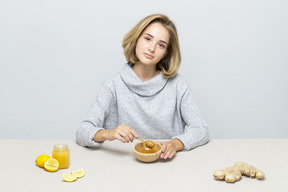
[(94, 121), (196, 130)]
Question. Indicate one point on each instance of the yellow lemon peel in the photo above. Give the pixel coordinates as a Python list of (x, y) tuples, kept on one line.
[(41, 160)]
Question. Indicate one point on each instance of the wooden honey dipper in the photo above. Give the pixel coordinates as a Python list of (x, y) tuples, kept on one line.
[(148, 143)]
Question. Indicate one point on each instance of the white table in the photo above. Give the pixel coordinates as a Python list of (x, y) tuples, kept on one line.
[(113, 167)]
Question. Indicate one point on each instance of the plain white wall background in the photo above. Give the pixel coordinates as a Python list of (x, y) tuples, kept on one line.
[(56, 54)]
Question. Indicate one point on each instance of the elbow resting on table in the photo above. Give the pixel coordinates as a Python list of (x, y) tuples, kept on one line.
[(203, 138), (206, 138), (85, 135)]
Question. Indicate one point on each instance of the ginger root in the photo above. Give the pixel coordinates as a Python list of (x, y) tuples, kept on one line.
[(233, 174)]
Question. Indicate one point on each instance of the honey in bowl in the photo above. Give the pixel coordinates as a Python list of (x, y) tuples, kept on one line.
[(146, 154), (144, 149)]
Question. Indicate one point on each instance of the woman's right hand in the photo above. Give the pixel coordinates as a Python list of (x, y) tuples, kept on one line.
[(123, 133)]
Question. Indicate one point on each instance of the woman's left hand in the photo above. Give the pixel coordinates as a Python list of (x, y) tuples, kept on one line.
[(170, 148)]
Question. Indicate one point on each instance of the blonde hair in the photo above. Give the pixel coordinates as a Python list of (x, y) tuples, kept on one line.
[(170, 64)]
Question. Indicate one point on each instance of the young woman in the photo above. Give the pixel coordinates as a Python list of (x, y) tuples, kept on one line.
[(147, 97)]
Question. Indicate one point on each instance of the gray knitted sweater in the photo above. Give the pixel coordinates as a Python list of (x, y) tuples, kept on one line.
[(160, 108)]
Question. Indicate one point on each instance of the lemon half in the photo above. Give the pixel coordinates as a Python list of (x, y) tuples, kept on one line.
[(51, 165)]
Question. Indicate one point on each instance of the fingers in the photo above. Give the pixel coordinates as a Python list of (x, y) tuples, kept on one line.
[(130, 132), (127, 135), (120, 138), (134, 133), (124, 133), (168, 150)]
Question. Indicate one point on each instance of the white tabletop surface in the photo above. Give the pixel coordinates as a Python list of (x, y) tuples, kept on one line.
[(113, 167)]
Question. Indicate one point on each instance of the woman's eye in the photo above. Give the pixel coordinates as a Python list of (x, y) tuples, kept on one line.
[(147, 38), (162, 45)]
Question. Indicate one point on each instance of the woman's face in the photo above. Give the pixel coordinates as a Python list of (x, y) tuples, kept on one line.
[(152, 45)]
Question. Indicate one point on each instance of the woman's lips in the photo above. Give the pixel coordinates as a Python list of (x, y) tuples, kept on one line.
[(148, 56)]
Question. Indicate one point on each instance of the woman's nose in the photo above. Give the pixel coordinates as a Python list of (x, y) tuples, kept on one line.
[(152, 47)]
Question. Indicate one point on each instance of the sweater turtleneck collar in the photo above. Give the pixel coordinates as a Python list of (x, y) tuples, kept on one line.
[(147, 88)]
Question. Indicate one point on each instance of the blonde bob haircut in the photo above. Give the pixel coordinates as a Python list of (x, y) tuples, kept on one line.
[(170, 64)]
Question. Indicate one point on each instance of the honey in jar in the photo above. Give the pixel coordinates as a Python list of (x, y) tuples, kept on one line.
[(62, 154)]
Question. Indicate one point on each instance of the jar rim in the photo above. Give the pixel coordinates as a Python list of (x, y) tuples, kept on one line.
[(60, 147)]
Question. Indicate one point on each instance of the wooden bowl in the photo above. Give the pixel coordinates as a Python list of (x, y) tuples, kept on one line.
[(146, 154)]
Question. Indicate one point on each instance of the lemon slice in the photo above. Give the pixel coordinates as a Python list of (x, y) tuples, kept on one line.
[(70, 177), (80, 172), (51, 165)]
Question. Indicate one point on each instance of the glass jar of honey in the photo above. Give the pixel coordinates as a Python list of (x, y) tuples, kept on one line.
[(62, 154)]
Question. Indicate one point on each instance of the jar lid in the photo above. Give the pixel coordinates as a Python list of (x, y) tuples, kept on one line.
[(60, 147)]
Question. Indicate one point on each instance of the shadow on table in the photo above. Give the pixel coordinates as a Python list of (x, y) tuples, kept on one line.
[(109, 149), (157, 161)]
